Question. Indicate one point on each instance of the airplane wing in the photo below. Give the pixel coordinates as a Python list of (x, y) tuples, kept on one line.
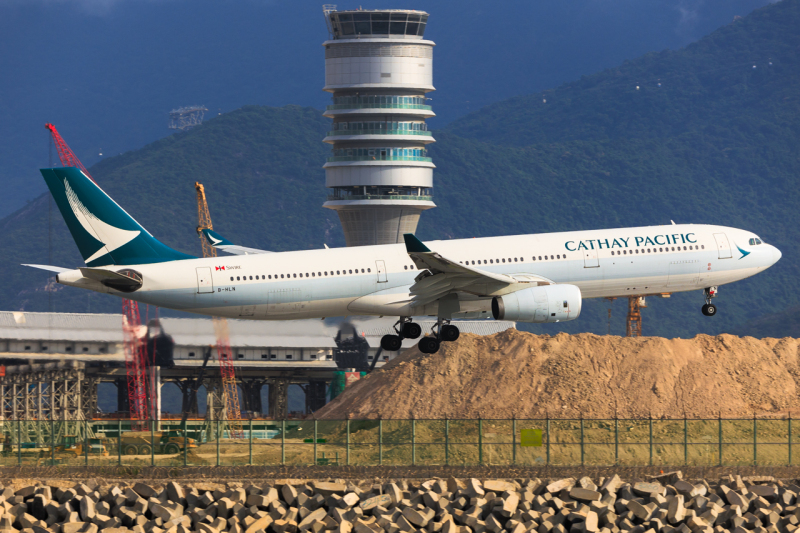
[(442, 276), (221, 243)]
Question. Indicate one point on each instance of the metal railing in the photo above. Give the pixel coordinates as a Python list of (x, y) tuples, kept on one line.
[(334, 159), (335, 107), (558, 442), (335, 198), (380, 132)]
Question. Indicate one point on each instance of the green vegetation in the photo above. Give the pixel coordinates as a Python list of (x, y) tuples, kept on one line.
[(716, 142)]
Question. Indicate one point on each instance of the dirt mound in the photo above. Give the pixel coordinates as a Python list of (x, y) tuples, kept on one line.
[(519, 374)]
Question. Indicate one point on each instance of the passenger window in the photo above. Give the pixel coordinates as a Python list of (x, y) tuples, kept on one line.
[(558, 256), (306, 274), (281, 276), (231, 278), (237, 278), (540, 258), (295, 275), (515, 259), (491, 261), (660, 249), (612, 252), (337, 272), (703, 246), (504, 260), (551, 258), (684, 248), (270, 276), (369, 270), (362, 270), (351, 271)]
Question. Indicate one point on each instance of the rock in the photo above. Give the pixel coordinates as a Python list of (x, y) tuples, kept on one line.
[(415, 517), (584, 495), (326, 489), (647, 489), (313, 516), (175, 492), (557, 486), (384, 500), (87, 509), (497, 486), (675, 509), (474, 488), (640, 511), (145, 491)]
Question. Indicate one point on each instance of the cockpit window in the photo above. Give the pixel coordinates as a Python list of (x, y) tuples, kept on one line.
[(758, 241), (751, 242)]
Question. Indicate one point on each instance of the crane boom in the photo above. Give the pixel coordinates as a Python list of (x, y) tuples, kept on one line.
[(224, 354), (135, 357)]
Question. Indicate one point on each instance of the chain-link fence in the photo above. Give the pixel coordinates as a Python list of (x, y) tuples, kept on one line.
[(540, 442)]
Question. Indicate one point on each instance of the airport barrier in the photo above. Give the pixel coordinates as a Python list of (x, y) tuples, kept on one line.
[(525, 442)]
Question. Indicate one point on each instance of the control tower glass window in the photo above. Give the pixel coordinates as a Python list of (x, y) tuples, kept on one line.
[(380, 23)]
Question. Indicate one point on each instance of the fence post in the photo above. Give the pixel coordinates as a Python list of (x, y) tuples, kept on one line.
[(315, 439), (616, 439), (119, 442), (720, 438), (19, 441), (685, 440), (218, 437), (86, 442), (548, 439), (52, 440), (514, 440), (185, 442), (446, 441), (153, 444), (790, 437), (250, 433), (413, 441), (347, 457), (582, 441), (755, 441), (283, 442), (380, 441), (480, 440), (651, 439)]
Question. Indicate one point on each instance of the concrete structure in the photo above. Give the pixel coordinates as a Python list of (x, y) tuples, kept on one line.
[(379, 69), (84, 350)]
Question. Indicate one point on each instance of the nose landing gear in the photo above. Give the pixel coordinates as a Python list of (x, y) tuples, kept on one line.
[(709, 309)]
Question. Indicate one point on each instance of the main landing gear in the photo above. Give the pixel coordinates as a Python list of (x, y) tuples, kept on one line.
[(709, 309), (407, 330), (443, 331)]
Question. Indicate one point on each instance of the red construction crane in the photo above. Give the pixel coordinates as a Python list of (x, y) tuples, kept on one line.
[(135, 363)]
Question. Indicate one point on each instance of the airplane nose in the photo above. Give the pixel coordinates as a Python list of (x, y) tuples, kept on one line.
[(776, 255)]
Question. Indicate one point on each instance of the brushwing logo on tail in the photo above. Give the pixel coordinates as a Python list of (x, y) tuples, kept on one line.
[(111, 237)]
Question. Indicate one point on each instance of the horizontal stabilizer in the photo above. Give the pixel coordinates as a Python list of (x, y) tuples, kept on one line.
[(125, 281), (221, 243), (49, 268)]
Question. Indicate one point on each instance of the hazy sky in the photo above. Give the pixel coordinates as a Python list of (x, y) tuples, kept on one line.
[(107, 72)]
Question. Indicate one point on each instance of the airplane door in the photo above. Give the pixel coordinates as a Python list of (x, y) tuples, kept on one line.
[(204, 282), (380, 266), (723, 247), (590, 259)]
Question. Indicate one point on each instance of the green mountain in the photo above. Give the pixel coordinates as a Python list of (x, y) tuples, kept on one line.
[(716, 142)]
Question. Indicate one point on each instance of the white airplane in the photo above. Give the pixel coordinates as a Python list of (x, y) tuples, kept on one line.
[(527, 278)]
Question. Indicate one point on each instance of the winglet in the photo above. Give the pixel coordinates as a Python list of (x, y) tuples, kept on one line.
[(414, 245), (214, 238)]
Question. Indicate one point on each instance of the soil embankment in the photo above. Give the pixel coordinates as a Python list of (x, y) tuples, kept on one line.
[(519, 374)]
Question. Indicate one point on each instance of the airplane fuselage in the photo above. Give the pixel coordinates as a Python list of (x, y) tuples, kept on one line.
[(375, 280)]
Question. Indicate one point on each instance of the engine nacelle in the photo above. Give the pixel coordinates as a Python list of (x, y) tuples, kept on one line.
[(547, 303)]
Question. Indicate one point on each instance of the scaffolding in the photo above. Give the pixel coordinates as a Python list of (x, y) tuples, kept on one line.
[(634, 321), (184, 118), (42, 403)]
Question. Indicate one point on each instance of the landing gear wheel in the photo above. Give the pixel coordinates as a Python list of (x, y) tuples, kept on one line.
[(391, 343), (449, 333), (411, 330), (709, 309), (429, 345)]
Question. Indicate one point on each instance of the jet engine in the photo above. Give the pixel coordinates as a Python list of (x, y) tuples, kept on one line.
[(546, 303)]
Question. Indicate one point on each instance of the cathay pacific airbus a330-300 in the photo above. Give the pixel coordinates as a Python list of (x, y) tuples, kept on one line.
[(528, 278)]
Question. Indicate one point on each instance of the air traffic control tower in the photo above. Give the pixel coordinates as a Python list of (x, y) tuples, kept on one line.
[(379, 69)]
